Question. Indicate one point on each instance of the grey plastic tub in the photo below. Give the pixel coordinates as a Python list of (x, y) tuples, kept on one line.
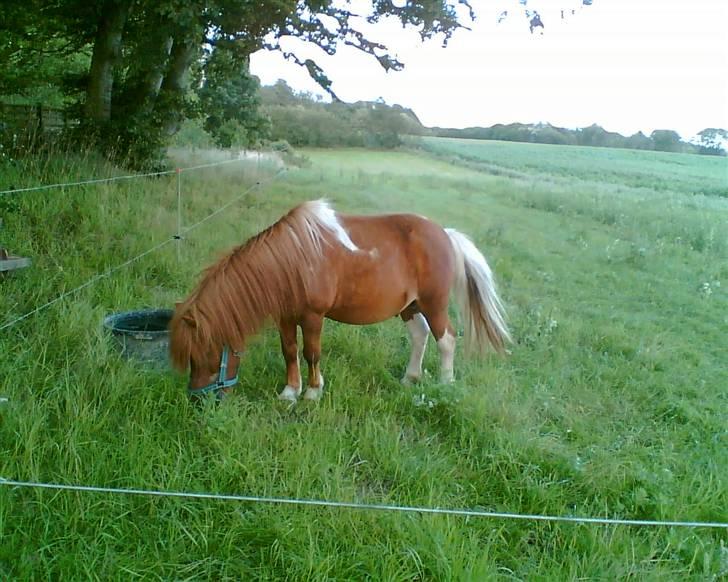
[(142, 336)]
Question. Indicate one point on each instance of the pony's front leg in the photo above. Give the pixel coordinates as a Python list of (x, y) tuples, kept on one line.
[(418, 332), (311, 326), (289, 347)]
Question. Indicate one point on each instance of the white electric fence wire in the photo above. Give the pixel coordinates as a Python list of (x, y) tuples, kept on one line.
[(156, 247), (230, 203), (366, 506), (213, 164), (96, 181), (117, 178), (88, 283)]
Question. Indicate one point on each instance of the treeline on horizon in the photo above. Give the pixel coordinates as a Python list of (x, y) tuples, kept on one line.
[(304, 120), (278, 115), (708, 140)]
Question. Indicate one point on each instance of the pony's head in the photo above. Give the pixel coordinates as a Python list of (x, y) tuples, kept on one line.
[(213, 366)]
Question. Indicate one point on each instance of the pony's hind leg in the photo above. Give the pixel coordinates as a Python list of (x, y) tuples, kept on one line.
[(446, 345), (418, 332), (311, 326), (289, 347), (443, 332)]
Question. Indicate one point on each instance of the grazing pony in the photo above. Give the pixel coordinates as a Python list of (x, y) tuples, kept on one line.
[(315, 263)]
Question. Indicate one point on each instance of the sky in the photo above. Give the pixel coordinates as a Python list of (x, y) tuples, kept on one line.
[(627, 65)]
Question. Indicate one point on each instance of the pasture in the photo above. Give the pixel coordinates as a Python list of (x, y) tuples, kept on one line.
[(613, 265)]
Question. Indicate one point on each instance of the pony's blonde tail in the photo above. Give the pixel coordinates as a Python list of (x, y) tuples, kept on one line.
[(475, 293)]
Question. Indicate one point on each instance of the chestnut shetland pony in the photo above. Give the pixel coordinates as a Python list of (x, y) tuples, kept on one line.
[(314, 263)]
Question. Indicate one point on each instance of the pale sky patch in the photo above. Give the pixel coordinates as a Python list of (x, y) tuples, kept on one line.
[(628, 65)]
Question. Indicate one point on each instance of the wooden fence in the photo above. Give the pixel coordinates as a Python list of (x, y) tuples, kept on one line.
[(33, 118)]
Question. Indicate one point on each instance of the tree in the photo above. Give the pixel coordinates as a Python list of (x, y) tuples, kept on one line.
[(149, 61), (595, 135), (712, 141), (639, 141), (553, 135), (229, 100), (666, 140), (36, 55), (303, 120)]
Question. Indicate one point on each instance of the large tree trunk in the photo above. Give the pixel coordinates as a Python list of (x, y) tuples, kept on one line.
[(155, 75), (176, 82), (148, 62), (107, 49)]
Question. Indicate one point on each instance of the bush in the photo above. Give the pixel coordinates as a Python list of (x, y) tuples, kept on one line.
[(192, 134), (301, 120)]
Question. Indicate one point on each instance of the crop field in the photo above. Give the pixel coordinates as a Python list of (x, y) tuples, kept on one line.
[(613, 401)]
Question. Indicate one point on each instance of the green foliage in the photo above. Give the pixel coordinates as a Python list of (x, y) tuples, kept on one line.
[(229, 103), (713, 141), (302, 120), (192, 135), (594, 135), (126, 67), (639, 141), (314, 127), (136, 142), (597, 136), (666, 140), (612, 402), (38, 61)]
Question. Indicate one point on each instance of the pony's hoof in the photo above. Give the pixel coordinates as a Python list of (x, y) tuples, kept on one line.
[(289, 394), (409, 380), (313, 393)]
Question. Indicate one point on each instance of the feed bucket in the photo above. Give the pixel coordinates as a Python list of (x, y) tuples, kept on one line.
[(142, 336)]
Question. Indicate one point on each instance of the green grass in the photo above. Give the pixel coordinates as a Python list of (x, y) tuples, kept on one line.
[(614, 268)]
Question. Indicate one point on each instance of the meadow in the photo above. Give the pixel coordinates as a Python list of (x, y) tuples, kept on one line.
[(613, 265)]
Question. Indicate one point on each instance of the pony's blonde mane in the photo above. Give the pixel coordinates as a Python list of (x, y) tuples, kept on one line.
[(267, 277)]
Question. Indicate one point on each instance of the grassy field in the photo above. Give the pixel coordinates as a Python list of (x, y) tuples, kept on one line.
[(614, 268)]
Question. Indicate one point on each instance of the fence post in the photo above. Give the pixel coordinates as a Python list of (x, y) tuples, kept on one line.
[(179, 215), (39, 115)]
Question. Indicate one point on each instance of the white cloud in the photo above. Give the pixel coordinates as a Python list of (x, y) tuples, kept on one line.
[(628, 65)]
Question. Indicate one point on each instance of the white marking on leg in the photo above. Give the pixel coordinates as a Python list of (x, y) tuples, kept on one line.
[(289, 393), (314, 392), (446, 345), (418, 332)]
